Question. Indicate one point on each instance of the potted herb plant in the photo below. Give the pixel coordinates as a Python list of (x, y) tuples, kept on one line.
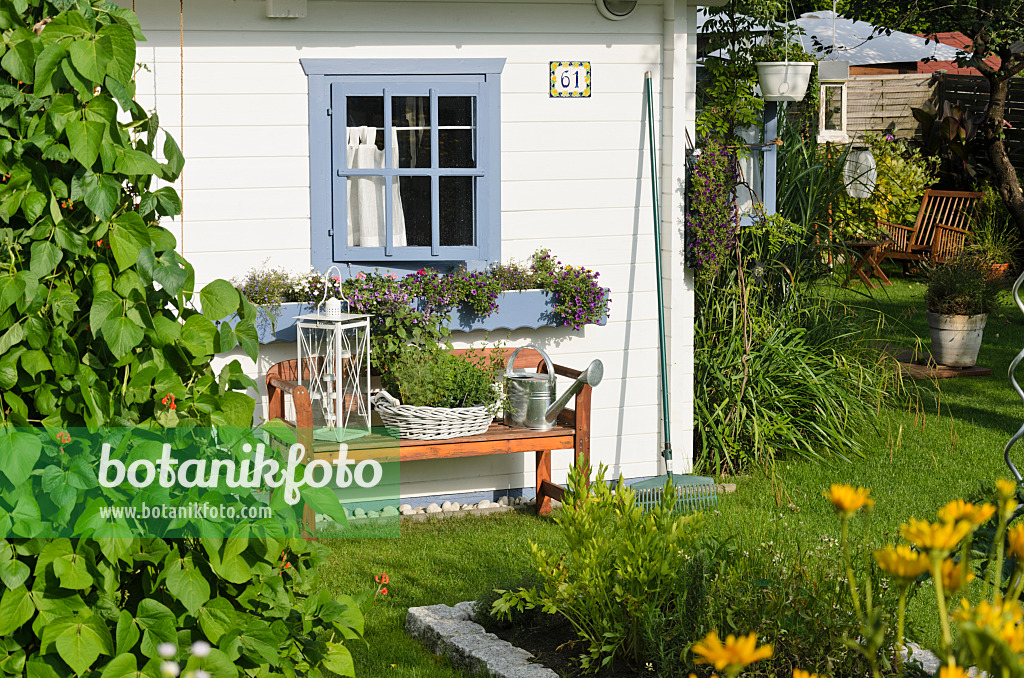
[(439, 395), (960, 296), (783, 69)]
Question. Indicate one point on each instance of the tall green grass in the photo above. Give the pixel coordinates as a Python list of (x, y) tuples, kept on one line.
[(781, 367)]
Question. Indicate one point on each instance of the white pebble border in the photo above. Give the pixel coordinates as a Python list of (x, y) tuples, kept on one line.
[(451, 632)]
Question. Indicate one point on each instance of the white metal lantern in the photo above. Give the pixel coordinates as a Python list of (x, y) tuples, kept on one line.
[(334, 366), (832, 106)]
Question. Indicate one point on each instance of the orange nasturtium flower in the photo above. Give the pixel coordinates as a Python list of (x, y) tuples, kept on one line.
[(942, 537), (959, 509), (902, 562), (733, 653), (952, 576), (847, 500)]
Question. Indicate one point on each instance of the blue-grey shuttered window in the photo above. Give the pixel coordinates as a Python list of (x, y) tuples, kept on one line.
[(404, 161)]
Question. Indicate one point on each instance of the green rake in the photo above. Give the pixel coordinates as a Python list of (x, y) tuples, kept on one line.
[(692, 493)]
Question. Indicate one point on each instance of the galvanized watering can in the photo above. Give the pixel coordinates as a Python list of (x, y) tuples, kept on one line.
[(531, 395)]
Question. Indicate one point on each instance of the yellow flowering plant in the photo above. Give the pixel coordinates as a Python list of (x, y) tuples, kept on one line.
[(990, 635)]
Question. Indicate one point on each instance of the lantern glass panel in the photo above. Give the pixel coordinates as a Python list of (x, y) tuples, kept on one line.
[(334, 360)]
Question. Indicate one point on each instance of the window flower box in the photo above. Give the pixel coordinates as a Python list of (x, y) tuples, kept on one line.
[(518, 309)]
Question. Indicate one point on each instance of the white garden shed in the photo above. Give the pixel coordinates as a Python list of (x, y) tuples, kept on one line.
[(248, 88)]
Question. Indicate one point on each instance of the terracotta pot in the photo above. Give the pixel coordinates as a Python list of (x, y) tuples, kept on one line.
[(998, 271), (956, 339)]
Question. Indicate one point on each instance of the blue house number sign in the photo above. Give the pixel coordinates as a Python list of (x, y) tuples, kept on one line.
[(570, 79)]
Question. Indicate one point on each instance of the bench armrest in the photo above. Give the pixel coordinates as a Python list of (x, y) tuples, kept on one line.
[(954, 229), (276, 389)]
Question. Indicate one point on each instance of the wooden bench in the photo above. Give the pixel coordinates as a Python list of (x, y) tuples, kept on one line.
[(571, 432), (938, 232)]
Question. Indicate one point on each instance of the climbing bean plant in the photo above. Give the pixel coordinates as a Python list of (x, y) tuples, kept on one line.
[(100, 326)]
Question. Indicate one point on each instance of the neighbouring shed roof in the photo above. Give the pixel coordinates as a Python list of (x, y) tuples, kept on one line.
[(853, 45)]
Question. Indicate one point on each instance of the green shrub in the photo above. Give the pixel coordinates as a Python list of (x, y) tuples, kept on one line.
[(962, 286), (617, 570)]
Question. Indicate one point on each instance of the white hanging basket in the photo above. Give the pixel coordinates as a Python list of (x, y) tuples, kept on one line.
[(431, 423), (783, 80)]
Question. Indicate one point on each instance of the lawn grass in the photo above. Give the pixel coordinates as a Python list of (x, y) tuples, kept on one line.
[(948, 443), (440, 561)]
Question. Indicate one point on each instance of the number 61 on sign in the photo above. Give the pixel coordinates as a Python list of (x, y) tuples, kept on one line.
[(570, 79)]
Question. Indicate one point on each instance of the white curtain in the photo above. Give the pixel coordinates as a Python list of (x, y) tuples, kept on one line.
[(366, 194)]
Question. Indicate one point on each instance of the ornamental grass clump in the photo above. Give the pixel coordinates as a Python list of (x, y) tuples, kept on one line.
[(962, 286)]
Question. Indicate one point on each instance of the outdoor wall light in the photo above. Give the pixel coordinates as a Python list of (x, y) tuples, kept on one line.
[(616, 9)]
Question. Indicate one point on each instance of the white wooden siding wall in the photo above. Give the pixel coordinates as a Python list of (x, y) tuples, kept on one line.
[(575, 174)]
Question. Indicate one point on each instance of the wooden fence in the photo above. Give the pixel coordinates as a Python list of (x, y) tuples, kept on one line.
[(881, 103), (971, 93)]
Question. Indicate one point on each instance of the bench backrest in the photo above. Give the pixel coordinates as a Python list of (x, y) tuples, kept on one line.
[(951, 208)]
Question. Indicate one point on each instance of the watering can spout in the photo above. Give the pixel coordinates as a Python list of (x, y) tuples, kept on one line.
[(590, 377)]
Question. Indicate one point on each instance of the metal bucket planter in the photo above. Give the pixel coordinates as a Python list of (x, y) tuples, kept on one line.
[(956, 339), (783, 80)]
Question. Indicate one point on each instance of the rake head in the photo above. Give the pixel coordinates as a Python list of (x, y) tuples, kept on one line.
[(692, 493)]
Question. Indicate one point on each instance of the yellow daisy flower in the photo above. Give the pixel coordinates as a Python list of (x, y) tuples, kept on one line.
[(1001, 620), (952, 576), (935, 536), (800, 673), (1016, 537), (847, 500), (902, 562), (735, 652), (1006, 488), (959, 509), (952, 672)]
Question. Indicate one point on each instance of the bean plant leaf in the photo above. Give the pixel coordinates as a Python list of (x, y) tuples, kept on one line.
[(18, 455), (80, 646), (122, 335), (84, 139), (16, 608), (45, 257), (219, 299), (190, 587), (46, 66), (91, 57)]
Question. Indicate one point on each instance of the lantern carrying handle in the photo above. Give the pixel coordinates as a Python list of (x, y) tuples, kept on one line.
[(341, 295)]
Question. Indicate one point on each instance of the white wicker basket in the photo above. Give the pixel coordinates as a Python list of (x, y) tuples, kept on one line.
[(431, 423)]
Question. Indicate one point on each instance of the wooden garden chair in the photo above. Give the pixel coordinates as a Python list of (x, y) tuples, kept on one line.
[(939, 231)]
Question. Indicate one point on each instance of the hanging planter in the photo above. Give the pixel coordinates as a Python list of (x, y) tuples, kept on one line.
[(783, 80)]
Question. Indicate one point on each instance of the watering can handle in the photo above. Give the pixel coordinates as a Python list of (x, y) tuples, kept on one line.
[(547, 361)]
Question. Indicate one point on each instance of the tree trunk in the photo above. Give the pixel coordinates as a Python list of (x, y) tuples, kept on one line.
[(994, 140)]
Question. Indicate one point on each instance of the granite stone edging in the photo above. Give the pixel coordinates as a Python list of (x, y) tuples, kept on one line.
[(451, 632)]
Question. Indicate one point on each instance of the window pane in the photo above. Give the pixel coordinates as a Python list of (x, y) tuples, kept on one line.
[(410, 117), (458, 197), (833, 105), (416, 211), (456, 120), (364, 132), (410, 205)]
